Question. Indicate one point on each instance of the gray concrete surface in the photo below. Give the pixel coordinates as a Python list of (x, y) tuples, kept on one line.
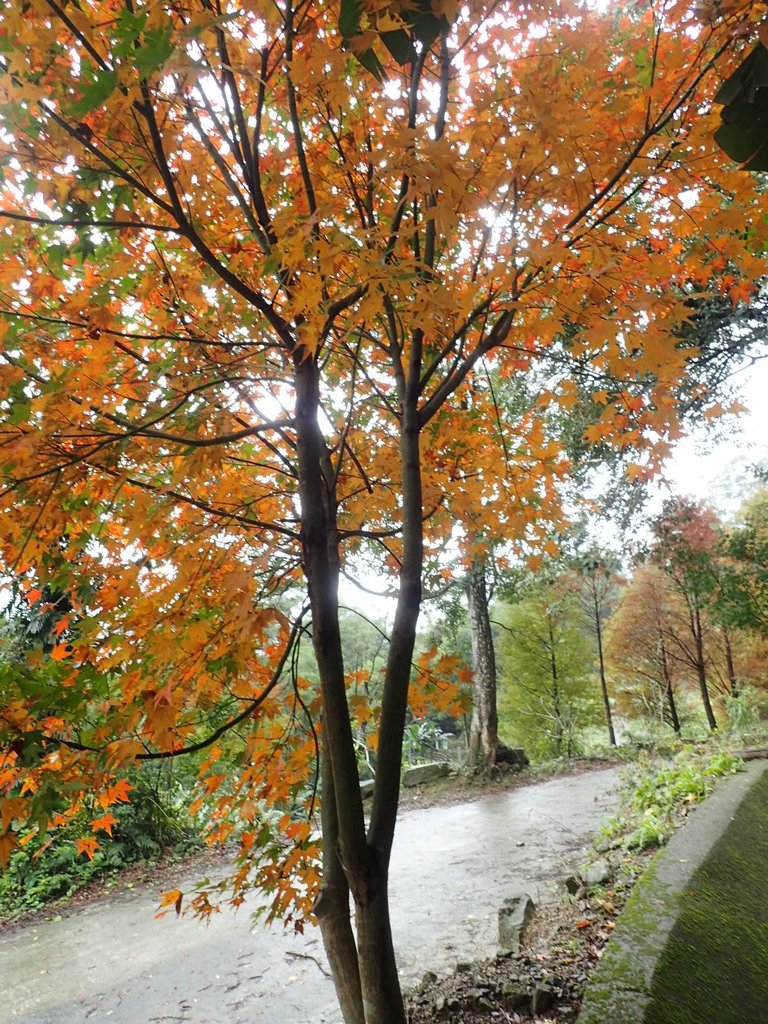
[(452, 868), (619, 990)]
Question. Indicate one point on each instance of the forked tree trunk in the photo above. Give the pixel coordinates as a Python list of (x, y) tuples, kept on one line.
[(343, 822), (362, 961), (483, 730), (332, 907)]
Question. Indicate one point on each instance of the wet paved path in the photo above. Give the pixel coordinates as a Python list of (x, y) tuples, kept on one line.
[(112, 962)]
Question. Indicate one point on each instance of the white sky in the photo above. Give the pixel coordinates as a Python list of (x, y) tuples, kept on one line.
[(717, 469), (712, 466)]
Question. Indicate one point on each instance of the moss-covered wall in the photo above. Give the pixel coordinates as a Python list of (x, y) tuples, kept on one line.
[(714, 968)]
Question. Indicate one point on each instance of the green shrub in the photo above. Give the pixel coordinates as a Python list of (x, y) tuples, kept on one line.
[(654, 797)]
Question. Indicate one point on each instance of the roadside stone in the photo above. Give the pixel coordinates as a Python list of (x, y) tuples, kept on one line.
[(514, 996), (366, 788), (514, 756), (597, 873), (515, 915), (542, 999), (422, 773)]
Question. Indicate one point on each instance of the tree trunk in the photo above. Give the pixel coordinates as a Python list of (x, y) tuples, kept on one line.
[(701, 669), (483, 732), (668, 690), (555, 691), (603, 684), (382, 998), (367, 985), (730, 668), (332, 909)]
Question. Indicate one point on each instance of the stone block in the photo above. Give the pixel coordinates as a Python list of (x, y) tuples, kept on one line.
[(421, 773), (515, 915)]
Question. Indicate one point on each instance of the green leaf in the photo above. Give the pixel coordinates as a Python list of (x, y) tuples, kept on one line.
[(399, 45), (751, 74), (371, 63), (349, 18), (153, 52), (96, 87), (427, 28), (744, 134)]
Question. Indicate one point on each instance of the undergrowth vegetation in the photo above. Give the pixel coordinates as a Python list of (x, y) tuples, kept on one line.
[(656, 796), (154, 823)]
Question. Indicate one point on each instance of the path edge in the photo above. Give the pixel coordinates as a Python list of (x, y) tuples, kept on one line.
[(619, 989)]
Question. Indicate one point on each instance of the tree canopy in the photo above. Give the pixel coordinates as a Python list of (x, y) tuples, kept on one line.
[(247, 289)]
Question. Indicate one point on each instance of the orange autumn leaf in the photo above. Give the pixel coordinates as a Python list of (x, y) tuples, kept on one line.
[(172, 898), (7, 843), (104, 823), (116, 792), (88, 845)]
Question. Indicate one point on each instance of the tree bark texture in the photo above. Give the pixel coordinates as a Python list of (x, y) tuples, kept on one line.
[(332, 908), (603, 683), (729, 666), (701, 667), (555, 690), (483, 731)]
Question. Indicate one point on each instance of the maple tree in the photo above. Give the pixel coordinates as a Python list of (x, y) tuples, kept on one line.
[(246, 288)]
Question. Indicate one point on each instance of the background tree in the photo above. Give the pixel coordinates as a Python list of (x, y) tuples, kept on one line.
[(742, 585), (245, 286), (596, 588), (685, 541), (636, 645), (484, 725), (546, 663)]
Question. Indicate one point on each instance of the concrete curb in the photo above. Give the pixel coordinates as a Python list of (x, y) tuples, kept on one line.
[(619, 990)]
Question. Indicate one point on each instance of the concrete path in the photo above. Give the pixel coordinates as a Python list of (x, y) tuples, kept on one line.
[(452, 867)]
